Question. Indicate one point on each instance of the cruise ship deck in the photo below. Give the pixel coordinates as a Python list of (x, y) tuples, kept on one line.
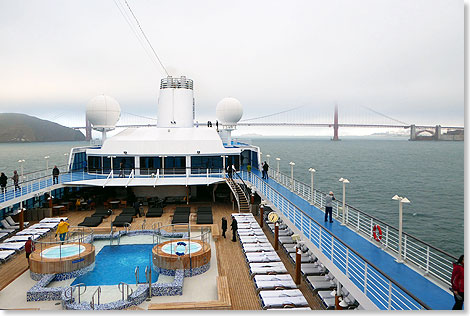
[(231, 264), (433, 295)]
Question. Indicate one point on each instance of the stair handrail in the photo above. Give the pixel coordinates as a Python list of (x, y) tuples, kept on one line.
[(148, 276), (136, 273), (92, 302), (244, 188), (131, 176), (231, 183), (124, 286), (110, 176), (156, 178)]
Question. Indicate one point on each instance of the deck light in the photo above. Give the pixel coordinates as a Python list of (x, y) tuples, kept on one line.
[(342, 303), (292, 164), (401, 200), (268, 156), (112, 167), (312, 172), (333, 293), (278, 175), (345, 181), (47, 163)]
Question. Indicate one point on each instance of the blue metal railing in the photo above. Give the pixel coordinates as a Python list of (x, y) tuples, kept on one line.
[(385, 292)]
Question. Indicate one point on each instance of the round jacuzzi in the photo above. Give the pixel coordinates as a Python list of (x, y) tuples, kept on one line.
[(181, 248), (61, 259), (63, 251), (192, 256)]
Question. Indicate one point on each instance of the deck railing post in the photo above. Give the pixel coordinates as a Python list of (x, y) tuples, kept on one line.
[(390, 295), (386, 236), (358, 221), (404, 248), (427, 260), (347, 262), (365, 278)]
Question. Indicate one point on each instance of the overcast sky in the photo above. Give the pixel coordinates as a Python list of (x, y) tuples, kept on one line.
[(403, 58)]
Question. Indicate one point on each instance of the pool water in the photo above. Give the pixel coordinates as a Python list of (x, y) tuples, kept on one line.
[(173, 247), (62, 251), (114, 264)]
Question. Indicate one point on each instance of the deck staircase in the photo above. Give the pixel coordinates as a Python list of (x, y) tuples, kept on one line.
[(240, 195)]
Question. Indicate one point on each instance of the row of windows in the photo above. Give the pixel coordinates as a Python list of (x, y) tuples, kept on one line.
[(197, 162)]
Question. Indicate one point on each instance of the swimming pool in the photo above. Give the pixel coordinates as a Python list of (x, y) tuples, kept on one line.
[(115, 264), (62, 251), (181, 247)]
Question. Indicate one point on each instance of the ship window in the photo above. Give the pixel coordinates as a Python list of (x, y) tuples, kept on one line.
[(200, 164), (149, 165), (233, 160), (94, 163), (177, 164)]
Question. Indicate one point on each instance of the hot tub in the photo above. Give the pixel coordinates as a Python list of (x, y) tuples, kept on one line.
[(62, 251), (193, 256)]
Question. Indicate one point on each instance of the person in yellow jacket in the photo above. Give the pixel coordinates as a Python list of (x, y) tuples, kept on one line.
[(62, 229)]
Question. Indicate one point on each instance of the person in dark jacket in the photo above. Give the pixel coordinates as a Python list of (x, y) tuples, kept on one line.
[(457, 281), (224, 226), (265, 170), (55, 175), (3, 182), (234, 226)]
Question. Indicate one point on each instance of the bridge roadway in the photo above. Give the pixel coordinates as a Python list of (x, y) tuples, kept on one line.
[(431, 294)]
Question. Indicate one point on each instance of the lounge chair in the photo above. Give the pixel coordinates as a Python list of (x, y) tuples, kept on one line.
[(129, 211), (250, 232), (267, 268), (181, 215), (3, 235), (44, 226), (304, 258), (102, 212), (13, 223), (53, 219), (274, 282), (6, 225), (204, 218), (21, 238), (29, 231), (321, 285), (286, 240), (309, 269), (91, 221), (154, 212), (252, 239), (282, 298), (257, 247), (18, 246), (122, 220), (262, 257), (6, 254)]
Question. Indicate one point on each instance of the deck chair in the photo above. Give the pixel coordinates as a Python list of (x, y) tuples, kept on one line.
[(6, 225), (282, 298), (6, 254), (310, 269), (274, 282), (122, 220), (257, 247), (262, 256), (13, 223), (154, 212), (91, 221), (267, 268)]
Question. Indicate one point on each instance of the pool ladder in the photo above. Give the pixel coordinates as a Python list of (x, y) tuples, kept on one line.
[(97, 294), (69, 291), (125, 288), (148, 277)]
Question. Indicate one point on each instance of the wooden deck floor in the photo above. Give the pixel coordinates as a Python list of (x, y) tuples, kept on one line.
[(230, 258)]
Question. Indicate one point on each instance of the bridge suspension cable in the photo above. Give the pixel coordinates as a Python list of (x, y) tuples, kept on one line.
[(273, 114), (386, 116)]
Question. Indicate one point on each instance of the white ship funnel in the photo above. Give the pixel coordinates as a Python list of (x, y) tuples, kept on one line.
[(176, 103)]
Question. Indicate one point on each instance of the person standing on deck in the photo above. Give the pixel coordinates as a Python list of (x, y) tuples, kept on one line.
[(3, 182), (29, 248), (265, 170), (224, 226), (55, 175), (62, 230), (234, 229), (229, 171), (457, 281), (329, 206), (16, 180), (121, 170)]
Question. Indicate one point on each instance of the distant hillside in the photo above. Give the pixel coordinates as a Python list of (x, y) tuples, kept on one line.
[(16, 128)]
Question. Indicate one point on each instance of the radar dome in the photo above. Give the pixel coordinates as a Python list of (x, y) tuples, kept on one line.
[(103, 112), (229, 111)]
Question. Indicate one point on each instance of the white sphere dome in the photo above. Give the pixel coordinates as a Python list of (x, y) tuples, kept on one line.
[(229, 111), (103, 112)]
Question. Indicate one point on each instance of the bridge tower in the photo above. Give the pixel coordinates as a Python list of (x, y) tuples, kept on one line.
[(413, 132), (88, 130), (335, 124)]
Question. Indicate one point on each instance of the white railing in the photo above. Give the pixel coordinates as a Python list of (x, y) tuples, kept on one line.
[(431, 260), (386, 293)]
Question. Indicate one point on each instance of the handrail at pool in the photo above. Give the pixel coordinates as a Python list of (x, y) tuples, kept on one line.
[(318, 239)]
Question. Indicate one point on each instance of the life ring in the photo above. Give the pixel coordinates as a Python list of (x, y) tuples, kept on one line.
[(377, 232)]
